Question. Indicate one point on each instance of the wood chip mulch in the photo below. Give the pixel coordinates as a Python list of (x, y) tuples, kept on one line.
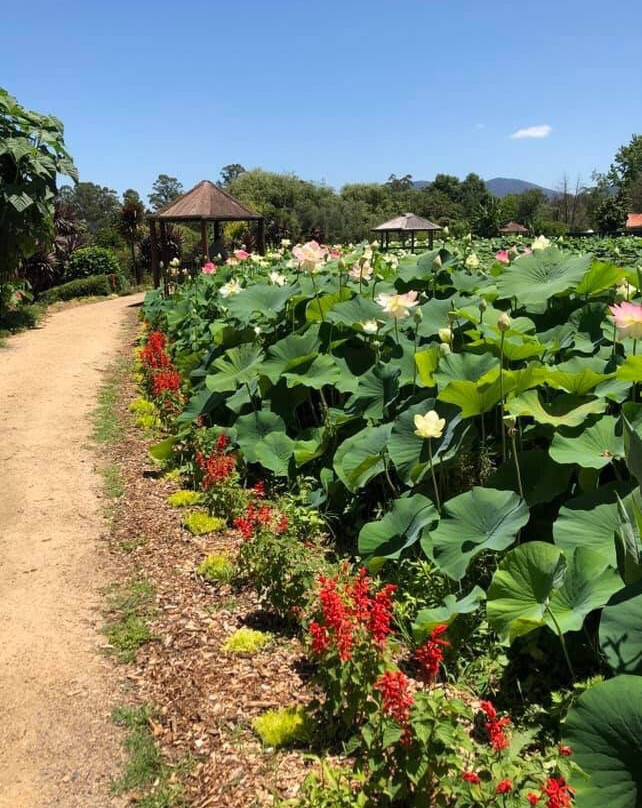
[(205, 699)]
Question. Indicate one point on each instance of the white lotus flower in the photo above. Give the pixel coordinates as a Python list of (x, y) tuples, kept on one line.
[(361, 272), (310, 256), (472, 262), (429, 425), (540, 243), (285, 242), (398, 306), (370, 326), (277, 279), (232, 287)]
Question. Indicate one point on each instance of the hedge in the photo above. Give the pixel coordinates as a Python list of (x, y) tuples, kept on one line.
[(97, 285)]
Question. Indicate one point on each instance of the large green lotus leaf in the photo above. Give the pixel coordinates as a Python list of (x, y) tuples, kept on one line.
[(360, 457), (464, 366), (600, 276), (318, 308), (398, 529), (427, 361), (590, 521), (274, 452), (473, 398), (253, 428), (633, 448), (237, 366), (377, 389), (541, 275), (521, 588), (630, 370), (480, 519), (284, 401), (291, 353), (358, 310), (201, 403), (516, 346), (594, 447), (604, 730), (564, 411), (323, 370), (621, 630), (487, 321), (347, 381), (434, 315), (542, 478), (310, 444), (260, 298), (427, 619), (588, 584), (579, 383), (409, 452)]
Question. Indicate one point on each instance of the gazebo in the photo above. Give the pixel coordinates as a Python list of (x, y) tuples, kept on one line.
[(408, 223), (514, 229), (204, 203)]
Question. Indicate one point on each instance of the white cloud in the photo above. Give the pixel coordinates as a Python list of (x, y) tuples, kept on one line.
[(533, 132)]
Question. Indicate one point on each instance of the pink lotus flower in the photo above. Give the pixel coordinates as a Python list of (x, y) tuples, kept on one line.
[(241, 255), (209, 268), (334, 253), (502, 257), (309, 255), (628, 319)]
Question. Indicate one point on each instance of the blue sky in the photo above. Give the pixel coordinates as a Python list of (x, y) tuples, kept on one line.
[(336, 91)]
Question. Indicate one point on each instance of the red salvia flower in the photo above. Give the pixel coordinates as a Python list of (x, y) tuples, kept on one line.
[(504, 786), (532, 798), (245, 526), (165, 381), (559, 794), (495, 727), (396, 699), (430, 654), (471, 777), (320, 638), (259, 490), (282, 524), (566, 751)]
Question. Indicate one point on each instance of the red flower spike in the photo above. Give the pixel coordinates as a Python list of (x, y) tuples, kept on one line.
[(430, 654), (397, 701), (566, 751), (559, 794), (532, 798), (504, 786), (471, 777)]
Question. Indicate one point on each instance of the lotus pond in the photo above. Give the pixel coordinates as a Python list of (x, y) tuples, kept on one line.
[(465, 424)]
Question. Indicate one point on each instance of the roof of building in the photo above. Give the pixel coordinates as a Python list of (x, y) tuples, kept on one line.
[(409, 221), (634, 221), (513, 227), (206, 201)]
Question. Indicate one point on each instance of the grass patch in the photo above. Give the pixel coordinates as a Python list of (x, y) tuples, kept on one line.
[(183, 499), (284, 727), (246, 641), (113, 481), (129, 545), (108, 427), (145, 767), (129, 608), (200, 522)]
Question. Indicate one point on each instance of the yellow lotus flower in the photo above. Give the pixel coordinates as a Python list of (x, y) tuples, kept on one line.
[(429, 425), (445, 335), (472, 262), (540, 243)]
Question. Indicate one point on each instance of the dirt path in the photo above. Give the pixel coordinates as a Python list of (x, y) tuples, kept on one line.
[(58, 748)]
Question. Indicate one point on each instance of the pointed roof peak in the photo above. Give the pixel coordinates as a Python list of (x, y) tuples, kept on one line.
[(206, 200)]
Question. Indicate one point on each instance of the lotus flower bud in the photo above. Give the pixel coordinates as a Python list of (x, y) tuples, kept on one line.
[(445, 335), (504, 321), (483, 305), (444, 348), (418, 316), (452, 316), (437, 261)]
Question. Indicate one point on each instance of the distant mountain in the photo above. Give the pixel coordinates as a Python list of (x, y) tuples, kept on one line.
[(501, 186)]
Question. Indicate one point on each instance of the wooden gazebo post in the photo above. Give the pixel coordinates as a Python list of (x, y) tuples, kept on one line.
[(204, 245), (153, 241), (260, 236)]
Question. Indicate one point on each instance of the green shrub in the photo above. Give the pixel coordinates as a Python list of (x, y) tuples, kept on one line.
[(183, 499), (141, 406), (200, 522), (98, 286), (148, 422), (19, 319), (215, 567), (284, 727), (90, 261), (246, 641)]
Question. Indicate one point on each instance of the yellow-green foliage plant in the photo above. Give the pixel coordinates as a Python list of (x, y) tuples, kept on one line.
[(246, 641), (141, 406), (148, 422), (200, 522), (284, 727), (216, 567), (184, 498)]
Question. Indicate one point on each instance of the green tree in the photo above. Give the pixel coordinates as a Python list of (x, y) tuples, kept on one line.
[(164, 190), (131, 195), (32, 154), (95, 205), (129, 224), (611, 213), (230, 172), (626, 168), (472, 194)]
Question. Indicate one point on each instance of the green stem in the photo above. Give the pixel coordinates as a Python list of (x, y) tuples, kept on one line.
[(434, 478), (560, 634), (316, 297), (396, 331), (516, 461), (501, 394)]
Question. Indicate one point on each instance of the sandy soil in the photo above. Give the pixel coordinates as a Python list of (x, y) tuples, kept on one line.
[(58, 747)]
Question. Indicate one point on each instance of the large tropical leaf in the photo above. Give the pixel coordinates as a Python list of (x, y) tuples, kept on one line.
[(399, 529), (604, 729), (542, 275), (259, 298), (621, 630), (294, 352), (253, 428), (542, 478), (480, 519), (594, 447), (361, 457), (427, 619), (377, 389), (521, 588), (566, 410), (237, 366), (274, 452)]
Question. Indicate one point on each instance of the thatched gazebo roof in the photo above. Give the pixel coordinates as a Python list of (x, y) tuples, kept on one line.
[(203, 203), (206, 201), (514, 228), (408, 223)]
